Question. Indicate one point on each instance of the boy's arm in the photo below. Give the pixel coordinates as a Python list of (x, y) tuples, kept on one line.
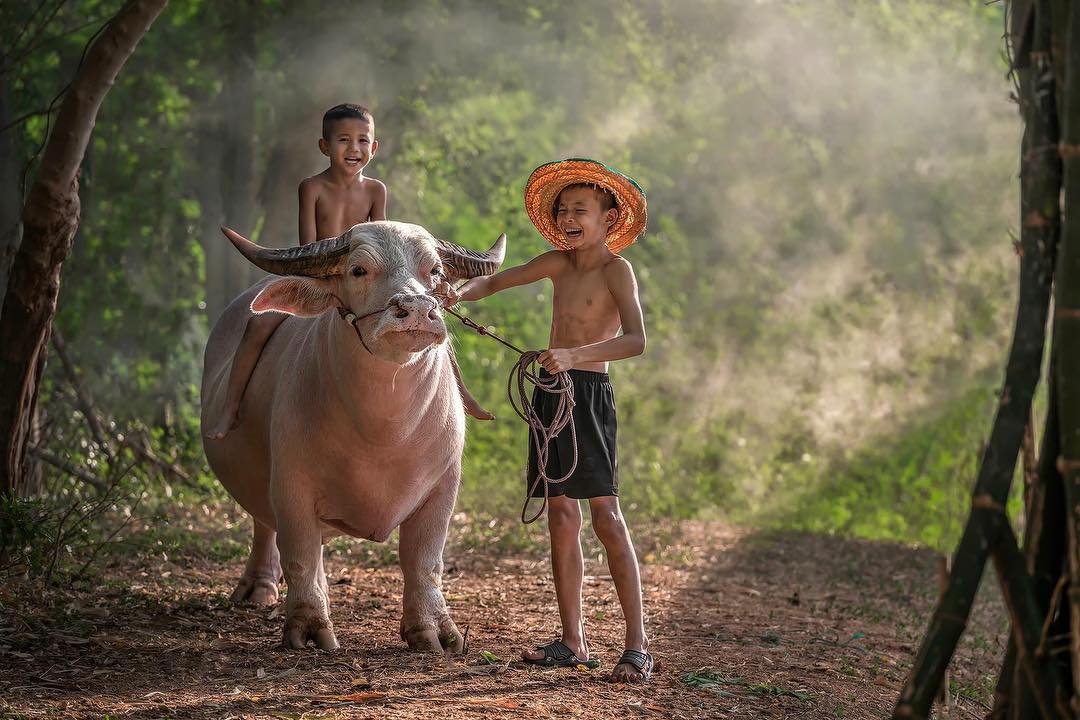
[(538, 268), (308, 193), (623, 287), (378, 202)]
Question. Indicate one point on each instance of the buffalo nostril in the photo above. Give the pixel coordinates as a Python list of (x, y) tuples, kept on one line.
[(401, 313)]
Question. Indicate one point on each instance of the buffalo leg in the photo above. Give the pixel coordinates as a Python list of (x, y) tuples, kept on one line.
[(425, 621), (307, 605), (259, 583)]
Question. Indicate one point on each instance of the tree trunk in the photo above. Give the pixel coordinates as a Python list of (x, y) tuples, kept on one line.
[(50, 219), (232, 148), (288, 164), (10, 192), (1067, 333)]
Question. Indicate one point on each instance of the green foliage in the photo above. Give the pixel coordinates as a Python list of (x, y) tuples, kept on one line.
[(825, 277), (26, 526), (914, 485)]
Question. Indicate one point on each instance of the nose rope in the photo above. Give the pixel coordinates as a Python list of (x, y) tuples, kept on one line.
[(524, 371), (541, 435), (350, 317)]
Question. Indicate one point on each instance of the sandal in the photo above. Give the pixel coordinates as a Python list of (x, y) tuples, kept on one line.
[(556, 654), (640, 661)]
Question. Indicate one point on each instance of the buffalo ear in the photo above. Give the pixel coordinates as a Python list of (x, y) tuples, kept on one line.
[(303, 296)]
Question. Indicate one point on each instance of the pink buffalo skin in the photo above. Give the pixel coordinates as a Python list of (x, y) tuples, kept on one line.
[(335, 439)]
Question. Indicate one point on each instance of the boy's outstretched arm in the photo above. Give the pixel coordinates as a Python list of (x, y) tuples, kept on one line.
[(540, 267), (623, 286), (308, 193)]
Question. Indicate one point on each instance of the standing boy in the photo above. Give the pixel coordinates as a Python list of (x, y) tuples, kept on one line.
[(330, 203), (589, 212)]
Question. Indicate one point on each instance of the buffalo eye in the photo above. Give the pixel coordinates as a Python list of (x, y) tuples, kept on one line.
[(358, 271), (437, 271)]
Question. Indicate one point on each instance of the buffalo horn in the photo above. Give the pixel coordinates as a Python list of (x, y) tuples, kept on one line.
[(462, 263), (317, 259)]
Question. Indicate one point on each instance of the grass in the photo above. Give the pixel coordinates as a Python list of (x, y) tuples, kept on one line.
[(710, 678)]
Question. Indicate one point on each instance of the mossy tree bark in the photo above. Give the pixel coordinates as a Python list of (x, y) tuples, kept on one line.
[(50, 218)]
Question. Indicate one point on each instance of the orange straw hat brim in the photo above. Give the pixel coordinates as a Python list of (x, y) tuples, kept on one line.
[(547, 181)]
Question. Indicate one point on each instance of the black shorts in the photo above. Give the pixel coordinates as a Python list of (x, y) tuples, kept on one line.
[(597, 472)]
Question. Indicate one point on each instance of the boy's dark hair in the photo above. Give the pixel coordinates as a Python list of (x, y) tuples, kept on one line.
[(344, 112), (607, 198)]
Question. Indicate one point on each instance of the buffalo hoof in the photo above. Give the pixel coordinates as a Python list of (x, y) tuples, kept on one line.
[(260, 591), (304, 624), (432, 637)]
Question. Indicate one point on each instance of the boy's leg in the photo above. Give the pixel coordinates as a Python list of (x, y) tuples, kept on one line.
[(258, 331), (610, 528), (568, 567), (472, 407)]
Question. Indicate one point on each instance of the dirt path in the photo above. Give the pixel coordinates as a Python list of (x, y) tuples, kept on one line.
[(792, 626)]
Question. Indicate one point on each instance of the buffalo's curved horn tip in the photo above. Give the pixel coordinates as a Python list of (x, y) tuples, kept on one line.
[(318, 259), (462, 263)]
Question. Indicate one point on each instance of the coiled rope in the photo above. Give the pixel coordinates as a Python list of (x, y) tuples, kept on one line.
[(523, 374)]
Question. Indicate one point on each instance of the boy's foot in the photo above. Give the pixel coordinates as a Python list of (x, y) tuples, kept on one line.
[(557, 654), (223, 428), (635, 666)]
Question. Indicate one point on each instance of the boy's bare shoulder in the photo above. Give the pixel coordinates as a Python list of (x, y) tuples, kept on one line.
[(376, 187), (618, 268), (314, 183), (553, 261)]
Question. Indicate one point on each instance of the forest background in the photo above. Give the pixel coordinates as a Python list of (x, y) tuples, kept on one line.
[(828, 275)]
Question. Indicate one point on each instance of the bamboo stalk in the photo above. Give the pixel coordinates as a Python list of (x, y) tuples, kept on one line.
[(1045, 537), (1067, 334), (1051, 699), (985, 524), (943, 583)]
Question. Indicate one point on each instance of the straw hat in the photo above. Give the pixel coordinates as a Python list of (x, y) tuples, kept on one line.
[(547, 181)]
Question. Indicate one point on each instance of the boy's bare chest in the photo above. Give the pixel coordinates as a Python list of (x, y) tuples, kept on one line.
[(582, 304), (337, 210)]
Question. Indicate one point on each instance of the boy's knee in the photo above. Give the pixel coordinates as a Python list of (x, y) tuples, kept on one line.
[(608, 523), (564, 515)]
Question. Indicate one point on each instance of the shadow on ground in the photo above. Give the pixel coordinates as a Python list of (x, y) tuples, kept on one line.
[(785, 625)]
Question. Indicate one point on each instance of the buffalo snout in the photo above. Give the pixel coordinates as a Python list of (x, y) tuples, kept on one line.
[(404, 306)]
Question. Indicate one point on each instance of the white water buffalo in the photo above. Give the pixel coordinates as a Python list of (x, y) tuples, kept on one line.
[(352, 422)]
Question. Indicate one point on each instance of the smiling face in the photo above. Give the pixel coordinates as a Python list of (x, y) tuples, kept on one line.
[(584, 215), (350, 144)]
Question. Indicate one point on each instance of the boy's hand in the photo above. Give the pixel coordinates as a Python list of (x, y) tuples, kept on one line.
[(446, 294), (557, 360)]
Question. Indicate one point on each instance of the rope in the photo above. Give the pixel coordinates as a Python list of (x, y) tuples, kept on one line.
[(350, 317), (525, 373), (540, 435)]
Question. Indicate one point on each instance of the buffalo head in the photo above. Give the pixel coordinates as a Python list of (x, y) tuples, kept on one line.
[(381, 272)]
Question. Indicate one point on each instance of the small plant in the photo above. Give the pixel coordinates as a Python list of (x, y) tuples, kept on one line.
[(710, 678)]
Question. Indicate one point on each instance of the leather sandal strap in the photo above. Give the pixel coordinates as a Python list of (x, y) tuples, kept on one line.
[(557, 650), (640, 660)]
